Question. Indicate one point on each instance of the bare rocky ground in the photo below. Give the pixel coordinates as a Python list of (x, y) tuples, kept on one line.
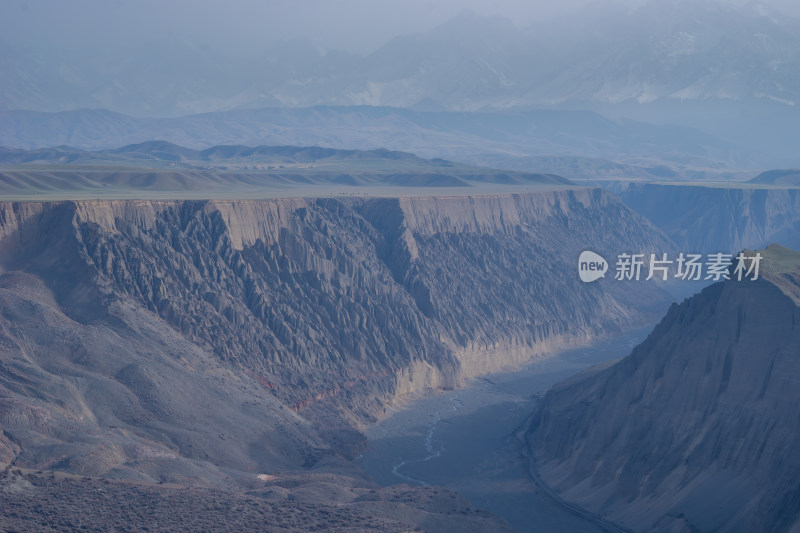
[(49, 501)]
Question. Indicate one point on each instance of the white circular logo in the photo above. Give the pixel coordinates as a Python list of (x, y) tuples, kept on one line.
[(591, 266)]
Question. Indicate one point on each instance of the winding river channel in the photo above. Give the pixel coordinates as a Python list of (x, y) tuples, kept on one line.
[(469, 439)]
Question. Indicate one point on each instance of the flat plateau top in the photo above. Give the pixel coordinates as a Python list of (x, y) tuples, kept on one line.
[(281, 192)]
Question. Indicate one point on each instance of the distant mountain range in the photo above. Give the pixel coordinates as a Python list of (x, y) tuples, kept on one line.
[(571, 143), (160, 153), (729, 70), (677, 50), (790, 176), (164, 168), (474, 89)]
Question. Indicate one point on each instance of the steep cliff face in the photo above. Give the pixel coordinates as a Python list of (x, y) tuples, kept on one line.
[(150, 324), (498, 274), (697, 429), (712, 219)]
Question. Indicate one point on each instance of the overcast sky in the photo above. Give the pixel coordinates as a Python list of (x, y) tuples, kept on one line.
[(238, 25)]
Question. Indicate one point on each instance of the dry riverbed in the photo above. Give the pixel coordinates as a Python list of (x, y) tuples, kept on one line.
[(465, 440)]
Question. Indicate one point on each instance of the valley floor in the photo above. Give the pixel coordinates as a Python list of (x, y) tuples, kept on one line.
[(466, 440)]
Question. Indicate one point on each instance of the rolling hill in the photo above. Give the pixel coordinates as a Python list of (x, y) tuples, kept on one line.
[(159, 167)]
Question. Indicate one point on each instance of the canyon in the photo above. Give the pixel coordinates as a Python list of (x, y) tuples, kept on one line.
[(220, 344), (726, 217)]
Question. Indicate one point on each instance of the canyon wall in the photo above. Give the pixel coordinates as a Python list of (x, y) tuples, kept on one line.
[(697, 429), (719, 218), (169, 326)]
